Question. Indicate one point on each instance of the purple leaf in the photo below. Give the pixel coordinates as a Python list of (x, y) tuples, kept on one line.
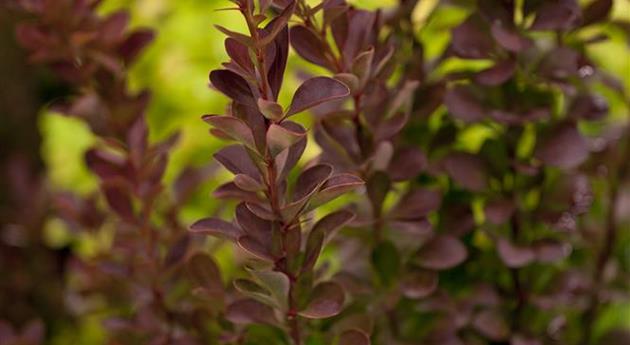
[(377, 185), (278, 24), (354, 337), (231, 191), (492, 325), (467, 170), (326, 301), (216, 227), (462, 104), (499, 211), (239, 37), (247, 311), (497, 74), (391, 126), (333, 222), (407, 164), (310, 180), (441, 252), (119, 199), (564, 147), (247, 183), (280, 137), (316, 91), (515, 256), (236, 159), (233, 86), (419, 284), (596, 11), (134, 44), (588, 106), (471, 40), (234, 127), (313, 247), (309, 46), (239, 53), (177, 251), (417, 204), (336, 186), (271, 110), (275, 76), (253, 225), (254, 247), (548, 251), (509, 38), (205, 273), (556, 15)]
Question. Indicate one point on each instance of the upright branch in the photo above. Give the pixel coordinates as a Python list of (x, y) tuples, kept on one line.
[(270, 214)]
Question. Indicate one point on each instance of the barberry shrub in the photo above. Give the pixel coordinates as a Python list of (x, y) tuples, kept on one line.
[(470, 183)]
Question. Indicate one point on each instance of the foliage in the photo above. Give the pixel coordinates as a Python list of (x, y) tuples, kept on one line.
[(470, 183)]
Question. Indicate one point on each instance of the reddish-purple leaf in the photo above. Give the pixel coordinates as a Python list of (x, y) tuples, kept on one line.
[(471, 39), (468, 170), (417, 204), (588, 106), (278, 66), (316, 91), (513, 255), (377, 186), (252, 224), (313, 247), (134, 44), (247, 183), (407, 164), (119, 199), (497, 74), (236, 159), (336, 186), (254, 247), (354, 337), (310, 180), (564, 147), (391, 126), (278, 24), (233, 86), (419, 283), (271, 110), (556, 15), (233, 127), (551, 251), (492, 325), (237, 36), (462, 104), (216, 227), (509, 38), (231, 191), (309, 46), (205, 273), (239, 54), (248, 311), (326, 301), (522, 340), (280, 137), (333, 222), (499, 211), (177, 251), (441, 252), (596, 11)]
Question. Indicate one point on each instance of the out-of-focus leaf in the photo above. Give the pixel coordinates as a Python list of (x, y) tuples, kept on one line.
[(248, 311), (386, 261), (326, 301), (354, 337), (441, 252)]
